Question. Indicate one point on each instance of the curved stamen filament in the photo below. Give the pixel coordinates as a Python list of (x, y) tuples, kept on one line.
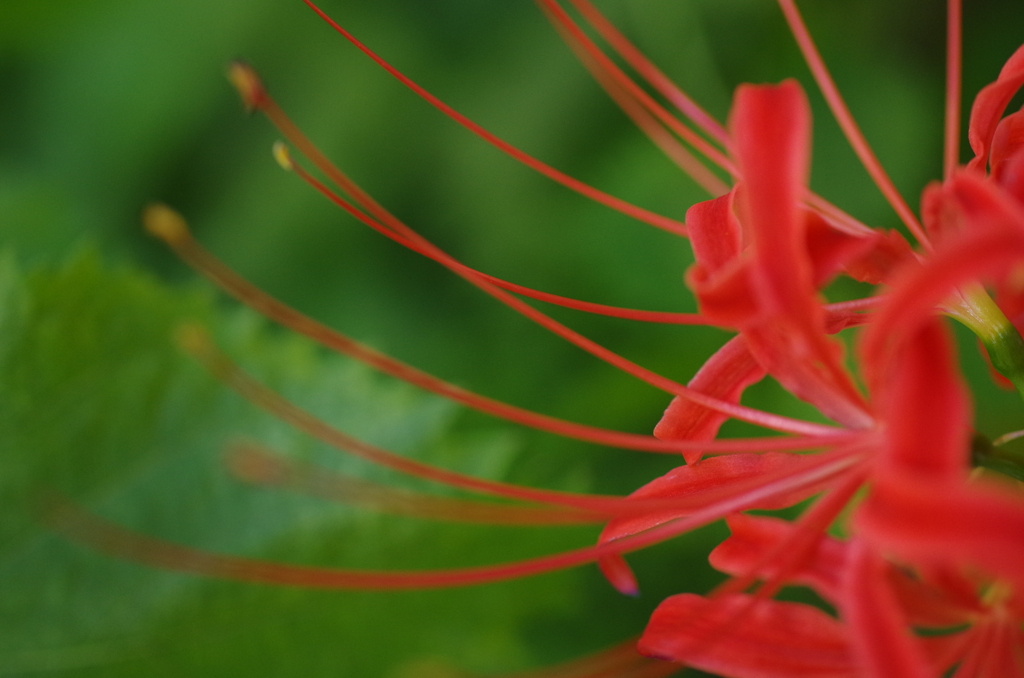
[(118, 541), (652, 128), (951, 145), (607, 70), (663, 317), (195, 341), (765, 419), (845, 119), (651, 73), (667, 88), (173, 231), (255, 464), (835, 216), (617, 204)]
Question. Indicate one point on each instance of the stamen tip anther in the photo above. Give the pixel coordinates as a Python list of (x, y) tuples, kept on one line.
[(163, 222), (248, 84), (283, 156), (193, 338)]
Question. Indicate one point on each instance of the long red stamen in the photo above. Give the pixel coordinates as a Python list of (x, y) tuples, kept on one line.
[(195, 341), (667, 88), (78, 524), (606, 70), (256, 96), (864, 304), (954, 31), (594, 194), (652, 128), (167, 225), (765, 419), (255, 464), (651, 73), (845, 119), (262, 101), (839, 219), (662, 317)]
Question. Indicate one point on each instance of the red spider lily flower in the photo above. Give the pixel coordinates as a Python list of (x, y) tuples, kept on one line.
[(765, 246), (921, 509)]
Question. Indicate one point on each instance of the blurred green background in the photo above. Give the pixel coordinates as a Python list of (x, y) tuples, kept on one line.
[(106, 105)]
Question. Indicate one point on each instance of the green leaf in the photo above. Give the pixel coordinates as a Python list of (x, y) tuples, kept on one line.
[(98, 403)]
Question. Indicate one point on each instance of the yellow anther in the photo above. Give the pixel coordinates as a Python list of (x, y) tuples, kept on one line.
[(248, 85), (283, 156), (164, 223), (193, 338)]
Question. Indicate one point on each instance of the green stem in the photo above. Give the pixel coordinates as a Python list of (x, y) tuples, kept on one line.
[(987, 455)]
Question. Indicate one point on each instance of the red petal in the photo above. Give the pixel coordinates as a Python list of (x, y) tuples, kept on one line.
[(1011, 174), (947, 650), (725, 376), (936, 604), (951, 524), (717, 487), (720, 278), (831, 250), (939, 213), (1007, 143), (714, 232), (771, 133), (808, 365), (725, 297), (879, 634), (740, 637), (989, 106), (754, 537), (889, 251), (926, 408)]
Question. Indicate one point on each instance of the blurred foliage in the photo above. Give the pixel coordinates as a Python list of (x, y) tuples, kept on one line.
[(106, 105)]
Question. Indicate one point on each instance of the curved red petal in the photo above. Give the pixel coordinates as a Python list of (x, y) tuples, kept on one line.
[(989, 106), (954, 524), (618, 573), (771, 133), (725, 376), (879, 634), (740, 637), (1007, 142), (771, 140), (926, 408), (754, 537), (888, 251), (715, 234), (831, 250)]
